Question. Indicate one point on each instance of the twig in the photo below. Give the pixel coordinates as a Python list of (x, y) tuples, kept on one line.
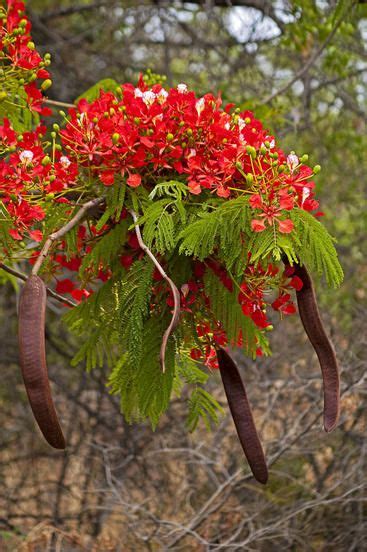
[(50, 291), (57, 103), (62, 231), (70, 10), (176, 294), (307, 65)]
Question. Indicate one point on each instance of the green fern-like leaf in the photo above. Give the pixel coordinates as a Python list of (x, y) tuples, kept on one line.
[(144, 390), (154, 386), (158, 224), (202, 405), (105, 251), (95, 350), (262, 244), (122, 382), (316, 248), (199, 237), (190, 371), (134, 295), (6, 223), (93, 321), (115, 198), (172, 188), (223, 228)]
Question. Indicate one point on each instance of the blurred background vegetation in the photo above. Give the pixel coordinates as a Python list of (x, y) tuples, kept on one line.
[(301, 66)]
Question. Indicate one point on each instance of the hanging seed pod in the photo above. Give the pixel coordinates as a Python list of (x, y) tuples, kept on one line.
[(311, 320), (32, 310), (242, 415)]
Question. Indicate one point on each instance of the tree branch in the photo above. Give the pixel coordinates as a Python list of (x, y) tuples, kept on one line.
[(62, 231), (307, 65), (57, 103), (50, 291)]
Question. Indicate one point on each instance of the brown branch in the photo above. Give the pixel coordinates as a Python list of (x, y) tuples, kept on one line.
[(62, 231), (50, 291), (176, 294), (307, 65), (57, 103), (71, 10)]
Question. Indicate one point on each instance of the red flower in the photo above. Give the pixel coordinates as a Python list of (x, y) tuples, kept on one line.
[(79, 294), (107, 177), (211, 360), (126, 261), (296, 283), (65, 286), (285, 226), (284, 304), (257, 225), (195, 354), (134, 180), (36, 235)]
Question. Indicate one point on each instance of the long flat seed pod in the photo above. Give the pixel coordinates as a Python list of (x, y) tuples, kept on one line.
[(311, 320), (242, 415), (32, 312)]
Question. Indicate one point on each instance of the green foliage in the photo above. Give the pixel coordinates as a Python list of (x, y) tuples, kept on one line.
[(200, 237), (94, 320), (159, 225), (222, 227), (71, 241), (309, 243), (190, 371), (6, 224), (134, 294), (95, 350), (272, 243), (56, 215), (115, 198), (154, 386), (16, 110), (104, 251), (261, 244), (203, 406), (172, 188), (163, 217), (144, 390), (316, 248), (117, 328), (107, 85)]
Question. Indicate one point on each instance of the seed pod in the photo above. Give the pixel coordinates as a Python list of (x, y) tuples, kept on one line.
[(32, 309), (310, 316), (242, 416)]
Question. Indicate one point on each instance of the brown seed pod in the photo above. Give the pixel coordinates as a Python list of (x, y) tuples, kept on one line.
[(242, 415), (311, 320), (32, 311)]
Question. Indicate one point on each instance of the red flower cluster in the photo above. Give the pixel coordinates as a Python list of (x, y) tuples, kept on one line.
[(211, 338), (20, 58), (144, 133), (28, 175), (141, 135)]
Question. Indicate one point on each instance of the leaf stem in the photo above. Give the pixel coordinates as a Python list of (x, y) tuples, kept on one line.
[(176, 294)]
